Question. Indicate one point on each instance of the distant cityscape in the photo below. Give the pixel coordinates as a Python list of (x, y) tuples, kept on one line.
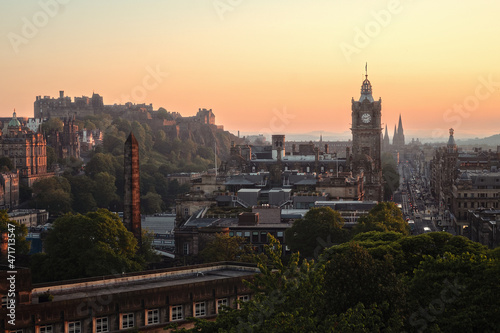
[(255, 189)]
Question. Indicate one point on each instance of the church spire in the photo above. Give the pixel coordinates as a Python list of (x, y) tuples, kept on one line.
[(401, 134), (395, 136)]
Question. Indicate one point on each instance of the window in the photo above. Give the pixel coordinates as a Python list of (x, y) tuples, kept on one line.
[(101, 325), (46, 329), (177, 312), (221, 302), (280, 234), (74, 327), (153, 316), (244, 298), (16, 331), (127, 320), (185, 248), (200, 309), (241, 299), (186, 211), (5, 300)]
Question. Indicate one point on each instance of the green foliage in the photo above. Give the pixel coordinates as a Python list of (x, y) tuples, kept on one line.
[(51, 157), (318, 225), (353, 276), (53, 194), (105, 189), (385, 216), (151, 203), (226, 248), (456, 293), (101, 163), (53, 124), (93, 244), (390, 175), (22, 246), (82, 188), (356, 287)]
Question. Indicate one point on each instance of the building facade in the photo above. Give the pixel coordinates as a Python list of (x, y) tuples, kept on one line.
[(366, 141), (146, 301), (26, 150)]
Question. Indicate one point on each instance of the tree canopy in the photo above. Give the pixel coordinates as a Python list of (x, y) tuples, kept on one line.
[(77, 246), (385, 216), (378, 282), (20, 231), (320, 225)]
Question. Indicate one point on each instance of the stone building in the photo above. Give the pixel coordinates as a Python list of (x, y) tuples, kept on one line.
[(444, 171), (484, 226), (26, 149), (366, 142), (63, 107), (9, 190), (145, 301)]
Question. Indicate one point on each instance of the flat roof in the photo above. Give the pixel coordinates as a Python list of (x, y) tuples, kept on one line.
[(249, 190), (123, 284)]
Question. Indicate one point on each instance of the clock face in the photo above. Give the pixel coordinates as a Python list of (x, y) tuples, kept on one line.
[(366, 118)]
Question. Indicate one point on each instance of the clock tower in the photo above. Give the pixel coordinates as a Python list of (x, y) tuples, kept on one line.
[(366, 142)]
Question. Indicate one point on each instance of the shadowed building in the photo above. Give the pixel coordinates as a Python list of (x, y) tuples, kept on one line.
[(366, 142), (132, 199)]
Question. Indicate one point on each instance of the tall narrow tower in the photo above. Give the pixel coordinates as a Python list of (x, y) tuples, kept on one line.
[(366, 141), (132, 200)]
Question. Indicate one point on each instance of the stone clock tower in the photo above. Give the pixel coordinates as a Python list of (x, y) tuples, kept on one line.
[(366, 142)]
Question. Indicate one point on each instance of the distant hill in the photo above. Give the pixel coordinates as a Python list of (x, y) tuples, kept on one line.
[(493, 140)]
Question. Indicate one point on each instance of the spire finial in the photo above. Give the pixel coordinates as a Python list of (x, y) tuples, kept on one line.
[(366, 69)]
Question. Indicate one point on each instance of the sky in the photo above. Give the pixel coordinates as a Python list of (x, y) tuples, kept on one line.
[(262, 66)]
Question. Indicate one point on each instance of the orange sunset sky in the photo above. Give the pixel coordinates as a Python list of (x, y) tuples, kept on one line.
[(287, 66)]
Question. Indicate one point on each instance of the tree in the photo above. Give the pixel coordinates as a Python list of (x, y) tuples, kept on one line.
[(82, 189), (385, 216), (224, 248), (78, 246), (319, 225), (288, 297), (164, 114), (53, 124), (390, 175), (105, 189), (21, 245), (455, 293), (51, 157), (53, 194), (151, 203), (353, 276), (101, 163)]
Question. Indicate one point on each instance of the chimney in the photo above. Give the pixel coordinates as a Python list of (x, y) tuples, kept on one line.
[(61, 93)]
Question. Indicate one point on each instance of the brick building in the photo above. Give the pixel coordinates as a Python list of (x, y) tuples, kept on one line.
[(147, 301)]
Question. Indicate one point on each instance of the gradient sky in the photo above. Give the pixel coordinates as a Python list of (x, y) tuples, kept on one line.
[(262, 65)]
